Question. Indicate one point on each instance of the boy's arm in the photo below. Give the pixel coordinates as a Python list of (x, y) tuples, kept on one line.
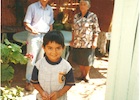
[(43, 94), (68, 84), (63, 90), (38, 88), (35, 82), (59, 93)]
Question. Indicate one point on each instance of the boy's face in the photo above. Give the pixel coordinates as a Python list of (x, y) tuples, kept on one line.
[(53, 51)]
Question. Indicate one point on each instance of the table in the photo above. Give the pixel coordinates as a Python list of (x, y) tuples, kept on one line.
[(4, 33), (5, 30), (22, 38)]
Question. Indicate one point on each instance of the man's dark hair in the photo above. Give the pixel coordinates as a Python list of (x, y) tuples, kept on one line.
[(54, 36)]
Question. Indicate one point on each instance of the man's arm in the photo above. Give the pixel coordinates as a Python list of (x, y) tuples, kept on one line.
[(30, 28), (51, 27)]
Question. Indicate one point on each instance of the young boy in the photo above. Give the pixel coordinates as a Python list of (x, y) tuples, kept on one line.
[(52, 75)]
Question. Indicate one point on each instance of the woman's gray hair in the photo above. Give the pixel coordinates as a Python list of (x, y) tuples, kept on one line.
[(87, 1)]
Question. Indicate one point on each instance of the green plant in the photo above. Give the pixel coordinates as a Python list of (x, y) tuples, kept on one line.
[(10, 53), (14, 93), (58, 26)]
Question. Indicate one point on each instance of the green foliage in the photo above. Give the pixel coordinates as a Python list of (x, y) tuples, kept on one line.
[(61, 22), (58, 26), (12, 93), (60, 17), (7, 72), (10, 53), (67, 26)]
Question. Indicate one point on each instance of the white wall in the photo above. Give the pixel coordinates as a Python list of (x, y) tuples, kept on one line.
[(123, 72)]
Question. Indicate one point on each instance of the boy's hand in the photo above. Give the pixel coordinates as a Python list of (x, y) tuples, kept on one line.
[(54, 95), (45, 96)]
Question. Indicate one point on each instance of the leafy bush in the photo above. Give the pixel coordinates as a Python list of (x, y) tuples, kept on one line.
[(12, 93), (10, 53)]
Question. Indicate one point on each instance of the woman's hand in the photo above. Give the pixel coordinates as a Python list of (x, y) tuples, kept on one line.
[(94, 45), (71, 43)]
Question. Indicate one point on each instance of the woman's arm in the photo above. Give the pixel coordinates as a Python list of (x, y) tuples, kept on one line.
[(95, 39), (71, 42)]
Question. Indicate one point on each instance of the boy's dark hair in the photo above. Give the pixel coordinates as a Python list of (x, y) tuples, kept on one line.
[(54, 36)]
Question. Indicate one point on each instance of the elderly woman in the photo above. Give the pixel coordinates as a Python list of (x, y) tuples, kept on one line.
[(84, 38)]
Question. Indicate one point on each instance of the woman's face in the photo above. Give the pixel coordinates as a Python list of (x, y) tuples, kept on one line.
[(84, 6)]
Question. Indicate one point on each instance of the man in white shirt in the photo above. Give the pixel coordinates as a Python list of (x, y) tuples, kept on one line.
[(38, 21)]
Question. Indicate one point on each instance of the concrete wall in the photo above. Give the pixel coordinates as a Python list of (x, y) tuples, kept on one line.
[(123, 71)]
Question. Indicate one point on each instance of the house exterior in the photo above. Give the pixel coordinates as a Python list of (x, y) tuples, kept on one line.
[(13, 11)]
